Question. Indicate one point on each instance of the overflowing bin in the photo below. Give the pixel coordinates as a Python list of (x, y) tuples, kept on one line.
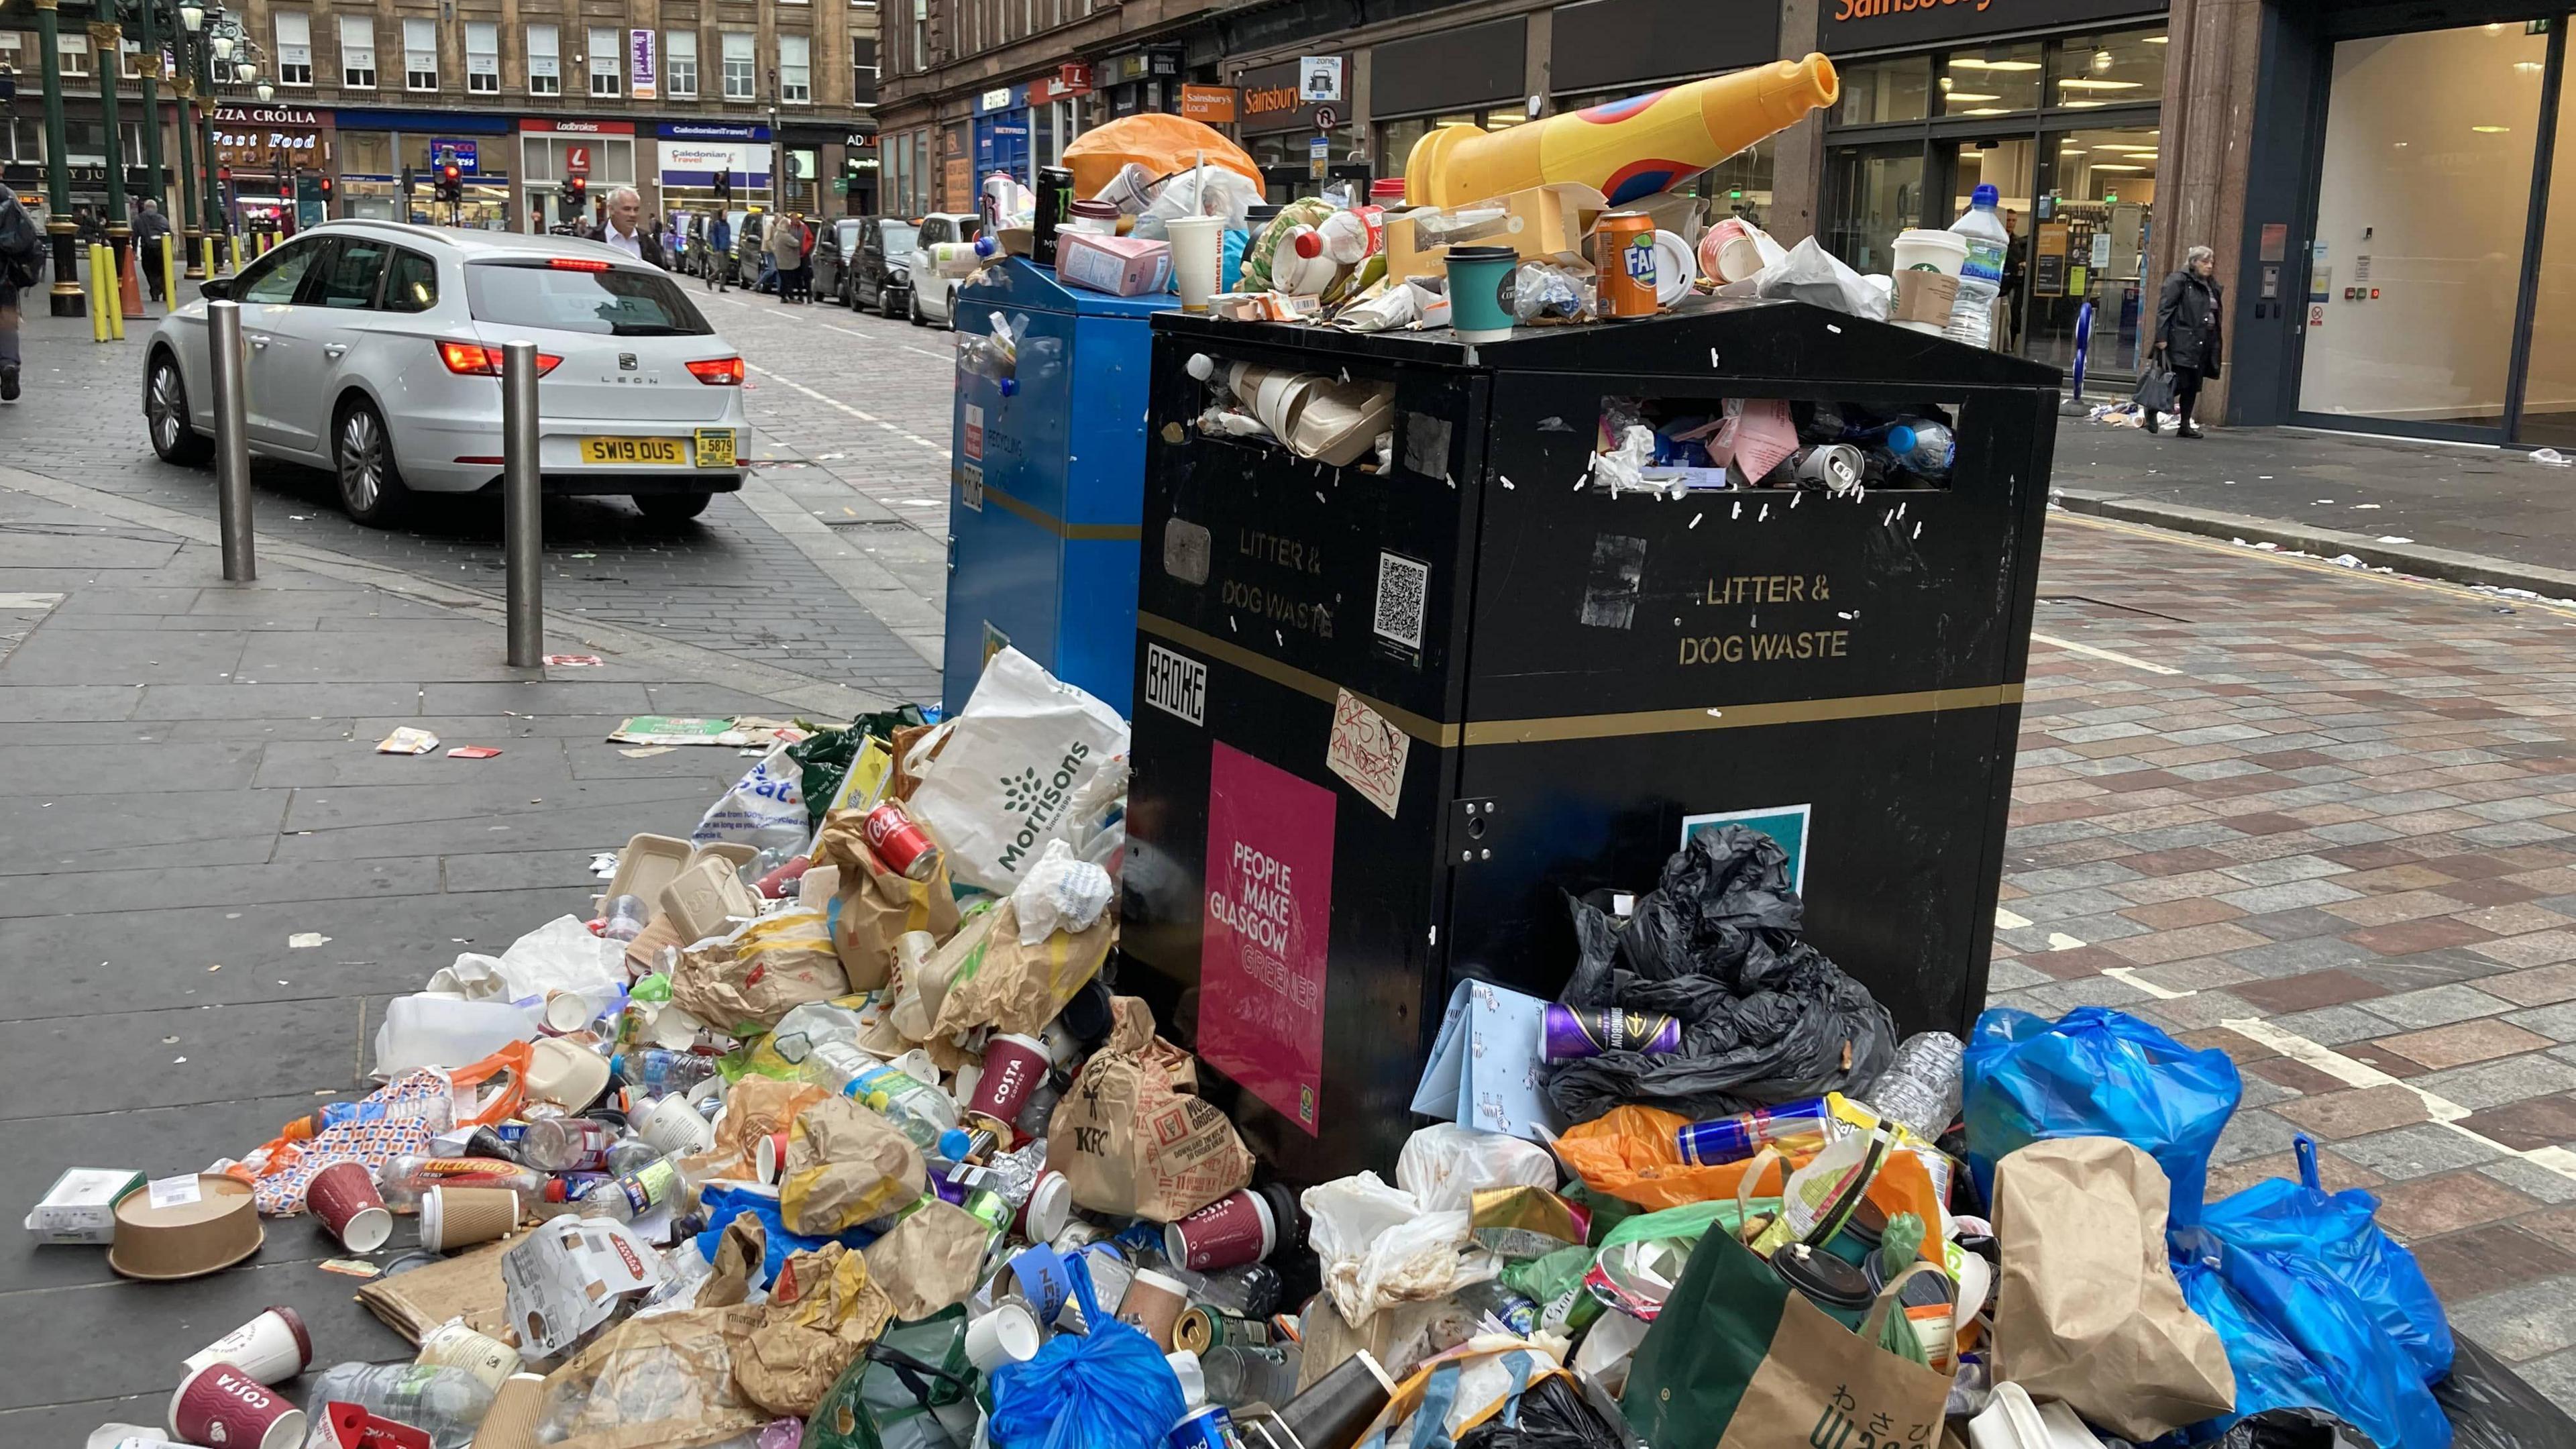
[(1390, 715), (1049, 451)]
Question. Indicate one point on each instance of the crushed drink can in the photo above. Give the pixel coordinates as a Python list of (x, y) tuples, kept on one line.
[(1573, 1032), (900, 842)]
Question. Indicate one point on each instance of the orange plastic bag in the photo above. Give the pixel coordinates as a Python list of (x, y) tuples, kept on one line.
[(1160, 143), (1633, 1153)]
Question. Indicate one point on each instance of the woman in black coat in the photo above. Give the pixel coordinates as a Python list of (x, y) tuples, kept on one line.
[(2187, 334)]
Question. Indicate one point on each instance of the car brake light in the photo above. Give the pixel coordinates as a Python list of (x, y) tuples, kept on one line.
[(473, 359), (577, 264), (718, 371)]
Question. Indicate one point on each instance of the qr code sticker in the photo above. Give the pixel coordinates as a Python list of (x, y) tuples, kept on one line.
[(1403, 586)]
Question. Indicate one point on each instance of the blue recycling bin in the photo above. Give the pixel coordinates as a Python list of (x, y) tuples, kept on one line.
[(1047, 485)]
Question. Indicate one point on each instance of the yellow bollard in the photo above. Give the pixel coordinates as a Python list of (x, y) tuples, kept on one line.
[(169, 275), (237, 255), (98, 304), (111, 290), (1627, 150)]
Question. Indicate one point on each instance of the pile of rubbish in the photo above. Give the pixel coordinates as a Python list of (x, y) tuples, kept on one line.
[(830, 1130)]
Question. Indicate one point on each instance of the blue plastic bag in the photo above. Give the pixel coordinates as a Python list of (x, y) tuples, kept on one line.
[(2369, 1381), (2335, 1231), (1109, 1388), (2096, 1073), (2271, 1372), (724, 1201)]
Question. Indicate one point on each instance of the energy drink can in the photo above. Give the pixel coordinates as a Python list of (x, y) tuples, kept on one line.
[(1208, 1428), (1623, 259), (1732, 1139), (1573, 1032), (1054, 206), (1202, 1328)]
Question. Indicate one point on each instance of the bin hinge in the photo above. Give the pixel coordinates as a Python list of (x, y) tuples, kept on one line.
[(1474, 831)]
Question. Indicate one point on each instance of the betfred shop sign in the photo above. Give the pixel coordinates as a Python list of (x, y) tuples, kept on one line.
[(1849, 25)]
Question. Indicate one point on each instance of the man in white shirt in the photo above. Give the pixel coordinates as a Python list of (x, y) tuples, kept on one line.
[(625, 230)]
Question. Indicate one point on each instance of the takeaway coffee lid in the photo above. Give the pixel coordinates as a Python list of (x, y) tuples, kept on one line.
[(183, 1227)]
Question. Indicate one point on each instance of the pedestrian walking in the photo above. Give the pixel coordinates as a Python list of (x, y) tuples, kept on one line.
[(786, 254), (719, 251), (626, 231), (149, 227), (22, 265), (2187, 337)]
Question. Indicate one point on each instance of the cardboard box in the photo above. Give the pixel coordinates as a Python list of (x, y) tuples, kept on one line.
[(568, 1276), (1540, 221), (1122, 266), (81, 1205)]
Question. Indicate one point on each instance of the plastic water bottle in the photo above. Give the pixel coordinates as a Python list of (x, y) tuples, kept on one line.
[(923, 1112), (1981, 280), (1921, 447), (567, 1144), (404, 1180), (625, 918), (447, 1404), (1240, 1375), (658, 1072), (833, 1065), (631, 1195), (1920, 1089)]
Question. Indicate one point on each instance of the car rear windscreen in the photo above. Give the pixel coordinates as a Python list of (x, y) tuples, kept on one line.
[(898, 238), (614, 303)]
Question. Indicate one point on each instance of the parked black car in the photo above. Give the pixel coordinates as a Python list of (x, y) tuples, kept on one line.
[(880, 274), (834, 245)]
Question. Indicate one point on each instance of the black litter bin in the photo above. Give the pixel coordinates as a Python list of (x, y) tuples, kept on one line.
[(1386, 720)]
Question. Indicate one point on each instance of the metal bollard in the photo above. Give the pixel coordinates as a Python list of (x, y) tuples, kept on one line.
[(522, 505), (232, 438)]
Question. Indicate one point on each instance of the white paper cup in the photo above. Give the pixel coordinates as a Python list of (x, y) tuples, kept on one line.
[(674, 1127), (1008, 1334), (1922, 249), (1728, 251), (1197, 242), (1675, 268), (271, 1348)]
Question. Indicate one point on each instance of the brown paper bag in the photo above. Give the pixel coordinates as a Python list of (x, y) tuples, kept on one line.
[(742, 983), (902, 782), (755, 1107), (1010, 987), (2087, 1309), (467, 1286), (822, 1311), (742, 1254), (664, 1382), (1131, 1139), (931, 1259), (845, 1165), (876, 905)]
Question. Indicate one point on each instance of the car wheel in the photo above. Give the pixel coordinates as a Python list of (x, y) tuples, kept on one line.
[(672, 507), (885, 302), (912, 301), (371, 486), (165, 409)]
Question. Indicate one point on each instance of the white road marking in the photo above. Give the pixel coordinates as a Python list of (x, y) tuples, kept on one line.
[(2007, 921), (860, 414), (2060, 941), (2113, 655), (2444, 1111), (2128, 976)]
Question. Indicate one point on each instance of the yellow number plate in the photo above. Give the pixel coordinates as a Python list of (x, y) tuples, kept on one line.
[(715, 447), (672, 452)]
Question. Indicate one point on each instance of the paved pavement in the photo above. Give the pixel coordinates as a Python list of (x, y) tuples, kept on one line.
[(2323, 819), (2472, 514)]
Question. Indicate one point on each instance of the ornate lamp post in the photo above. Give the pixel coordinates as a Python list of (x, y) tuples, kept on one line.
[(67, 299)]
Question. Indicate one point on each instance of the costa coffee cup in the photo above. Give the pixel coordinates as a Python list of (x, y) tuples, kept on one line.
[(344, 1197), (271, 1348), (1154, 1303), (1013, 1067), (460, 1217), (222, 1405), (674, 1127), (771, 1156), (1233, 1230), (1008, 1334)]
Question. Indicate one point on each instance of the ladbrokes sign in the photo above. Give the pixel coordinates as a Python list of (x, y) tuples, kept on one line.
[(1850, 25)]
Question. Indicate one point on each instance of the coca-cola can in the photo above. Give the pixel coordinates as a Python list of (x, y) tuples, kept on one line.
[(900, 842)]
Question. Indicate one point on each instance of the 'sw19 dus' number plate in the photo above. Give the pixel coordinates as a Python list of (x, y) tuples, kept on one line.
[(660, 452)]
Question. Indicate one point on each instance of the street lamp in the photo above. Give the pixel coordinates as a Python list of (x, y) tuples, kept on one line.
[(264, 91), (223, 46), (193, 17)]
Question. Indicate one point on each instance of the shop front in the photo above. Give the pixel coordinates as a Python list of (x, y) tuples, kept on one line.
[(376, 150), (861, 170), (2055, 103), (551, 152), (1295, 120), (1606, 51), (266, 151), (695, 156), (2408, 259), (1004, 135), (1138, 81), (1470, 76)]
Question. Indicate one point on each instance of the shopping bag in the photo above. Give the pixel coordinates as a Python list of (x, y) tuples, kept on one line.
[(1740, 1360), (2088, 1310), (913, 1387), (1004, 782), (1132, 1135), (2096, 1072), (397, 1118), (1484, 1068), (2155, 389)]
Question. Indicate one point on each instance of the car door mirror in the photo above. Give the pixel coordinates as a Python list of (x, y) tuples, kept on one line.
[(216, 289)]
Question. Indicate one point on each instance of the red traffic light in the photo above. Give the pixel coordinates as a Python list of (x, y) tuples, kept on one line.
[(451, 173), (326, 186)]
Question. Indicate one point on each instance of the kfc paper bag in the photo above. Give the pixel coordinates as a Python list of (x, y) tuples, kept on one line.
[(1131, 1139)]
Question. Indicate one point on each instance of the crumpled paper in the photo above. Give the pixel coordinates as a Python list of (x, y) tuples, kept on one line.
[(930, 1260), (1379, 1247), (823, 1310), (846, 1165)]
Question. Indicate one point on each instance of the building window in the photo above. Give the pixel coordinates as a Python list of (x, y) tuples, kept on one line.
[(2122, 69), (604, 61), (680, 64), (795, 69), (545, 63), (129, 58), (358, 52), (294, 48), (1995, 81), (72, 52), (420, 55), (482, 58), (739, 69), (920, 56), (863, 70)]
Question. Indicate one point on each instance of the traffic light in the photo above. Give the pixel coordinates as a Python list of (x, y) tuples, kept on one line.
[(724, 185), (576, 195), (326, 186), (451, 181)]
